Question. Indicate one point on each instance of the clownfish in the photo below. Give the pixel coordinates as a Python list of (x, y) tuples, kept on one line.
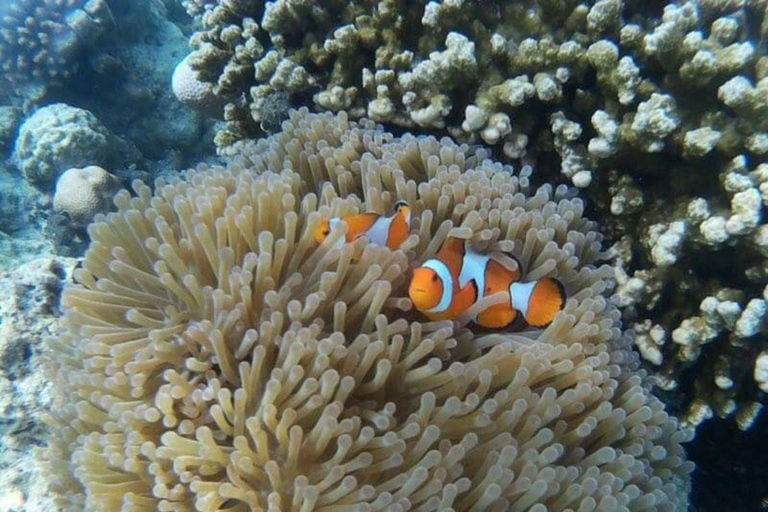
[(458, 278), (380, 230)]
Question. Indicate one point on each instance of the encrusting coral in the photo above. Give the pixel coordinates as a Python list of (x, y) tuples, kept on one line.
[(216, 358), (657, 109)]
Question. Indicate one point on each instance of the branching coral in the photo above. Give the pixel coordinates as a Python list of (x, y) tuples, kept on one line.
[(42, 40), (216, 359), (196, 8)]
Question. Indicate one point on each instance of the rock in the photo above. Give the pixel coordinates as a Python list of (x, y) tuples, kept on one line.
[(149, 114), (29, 311)]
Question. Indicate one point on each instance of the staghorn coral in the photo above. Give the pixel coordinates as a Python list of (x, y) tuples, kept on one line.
[(213, 358), (699, 287), (633, 99)]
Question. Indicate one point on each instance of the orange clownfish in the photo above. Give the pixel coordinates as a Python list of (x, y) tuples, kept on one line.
[(457, 278), (380, 230)]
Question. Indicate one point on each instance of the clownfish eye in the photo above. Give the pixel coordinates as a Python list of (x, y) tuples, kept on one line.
[(326, 232), (434, 278)]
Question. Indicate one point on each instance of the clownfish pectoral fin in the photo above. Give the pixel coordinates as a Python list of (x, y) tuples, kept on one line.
[(538, 301), (464, 299), (496, 317)]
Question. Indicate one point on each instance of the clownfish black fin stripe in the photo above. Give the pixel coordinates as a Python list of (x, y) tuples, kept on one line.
[(539, 301)]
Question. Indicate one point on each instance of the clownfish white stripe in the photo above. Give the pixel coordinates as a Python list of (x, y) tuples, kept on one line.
[(332, 223), (442, 271), (378, 234), (521, 296), (474, 266)]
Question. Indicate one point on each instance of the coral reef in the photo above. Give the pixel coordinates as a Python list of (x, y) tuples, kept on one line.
[(123, 80), (15, 203), (59, 137), (42, 41), (9, 120), (82, 193), (141, 106), (29, 311), (213, 357), (657, 109)]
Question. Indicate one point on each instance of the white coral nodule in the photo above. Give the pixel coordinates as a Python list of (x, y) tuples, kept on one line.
[(215, 358)]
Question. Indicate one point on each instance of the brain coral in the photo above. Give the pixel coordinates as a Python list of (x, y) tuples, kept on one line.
[(190, 90), (215, 359), (81, 193)]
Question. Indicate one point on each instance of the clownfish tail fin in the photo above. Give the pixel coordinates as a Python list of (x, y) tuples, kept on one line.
[(539, 301)]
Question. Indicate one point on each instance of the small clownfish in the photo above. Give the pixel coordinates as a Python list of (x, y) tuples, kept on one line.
[(457, 278), (380, 230)]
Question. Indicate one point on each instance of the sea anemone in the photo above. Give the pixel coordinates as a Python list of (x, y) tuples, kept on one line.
[(214, 358)]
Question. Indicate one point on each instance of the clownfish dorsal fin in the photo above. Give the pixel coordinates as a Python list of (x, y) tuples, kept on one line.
[(454, 244), (359, 224), (403, 209)]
